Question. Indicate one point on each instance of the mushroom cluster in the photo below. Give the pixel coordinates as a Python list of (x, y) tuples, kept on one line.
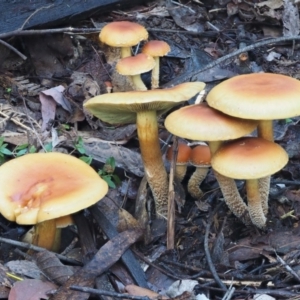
[(235, 107)]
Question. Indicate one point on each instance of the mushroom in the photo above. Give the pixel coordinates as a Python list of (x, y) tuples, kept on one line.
[(263, 97), (201, 122), (38, 188), (134, 66), (183, 156), (123, 34), (143, 107), (250, 158), (156, 49), (200, 158)]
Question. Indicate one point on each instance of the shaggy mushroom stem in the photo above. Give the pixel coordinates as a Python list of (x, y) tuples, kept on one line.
[(229, 190), (138, 83), (195, 180), (254, 203), (155, 172)]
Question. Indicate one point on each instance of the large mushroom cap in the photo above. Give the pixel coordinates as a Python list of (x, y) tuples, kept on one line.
[(261, 96), (249, 158), (118, 108), (123, 34), (201, 122), (43, 186)]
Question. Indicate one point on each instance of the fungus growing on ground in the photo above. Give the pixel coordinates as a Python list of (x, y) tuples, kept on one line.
[(134, 66), (249, 159), (202, 123), (183, 157), (143, 107), (123, 34), (156, 49), (260, 96), (38, 188), (200, 158)]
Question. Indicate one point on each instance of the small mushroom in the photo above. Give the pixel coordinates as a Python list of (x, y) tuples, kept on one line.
[(250, 158), (123, 34), (183, 157), (200, 122), (38, 188), (200, 158), (156, 49), (134, 66), (143, 107)]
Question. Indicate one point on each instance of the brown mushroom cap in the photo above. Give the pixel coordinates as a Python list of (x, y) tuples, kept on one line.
[(260, 96), (134, 65), (183, 155), (43, 186), (200, 156), (123, 34), (249, 158), (156, 48), (201, 122)]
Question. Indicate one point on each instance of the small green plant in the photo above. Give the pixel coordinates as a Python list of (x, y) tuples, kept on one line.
[(3, 150), (107, 173), (79, 146), (23, 149)]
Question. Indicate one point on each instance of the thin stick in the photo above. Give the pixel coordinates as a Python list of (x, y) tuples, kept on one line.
[(106, 293), (171, 201), (39, 249), (207, 253), (15, 121), (189, 76), (10, 47)]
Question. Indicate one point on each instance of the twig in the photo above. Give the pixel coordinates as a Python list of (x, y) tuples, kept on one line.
[(15, 121), (10, 47), (229, 293), (106, 293), (189, 76), (207, 253), (34, 13), (171, 199), (287, 267), (39, 249)]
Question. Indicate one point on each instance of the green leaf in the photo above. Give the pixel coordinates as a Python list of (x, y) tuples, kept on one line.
[(86, 159), (48, 147), (111, 161), (116, 179), (5, 151), (1, 140), (22, 152), (32, 149), (108, 180), (21, 147)]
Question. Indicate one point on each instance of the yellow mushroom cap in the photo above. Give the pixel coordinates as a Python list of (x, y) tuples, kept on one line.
[(200, 156), (118, 108), (123, 34), (249, 158), (260, 96), (183, 156), (43, 186), (156, 48), (199, 122), (134, 65)]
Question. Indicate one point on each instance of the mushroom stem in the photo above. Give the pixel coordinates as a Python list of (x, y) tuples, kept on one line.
[(265, 131), (155, 172), (229, 190), (195, 180), (264, 187), (180, 171), (254, 203), (44, 235), (138, 83), (125, 52), (155, 74)]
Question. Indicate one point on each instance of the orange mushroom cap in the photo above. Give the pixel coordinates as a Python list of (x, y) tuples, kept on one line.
[(200, 156), (156, 48), (43, 186), (183, 155)]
